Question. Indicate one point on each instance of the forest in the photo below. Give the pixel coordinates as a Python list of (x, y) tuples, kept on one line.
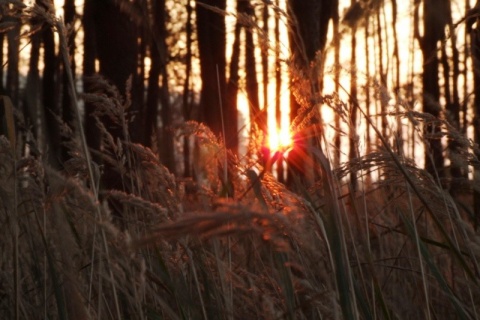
[(239, 159)]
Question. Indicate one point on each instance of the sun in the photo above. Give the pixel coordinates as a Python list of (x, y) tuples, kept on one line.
[(280, 140)]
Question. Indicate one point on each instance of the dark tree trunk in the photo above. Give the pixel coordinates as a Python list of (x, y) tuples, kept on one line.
[(2, 40), (144, 135), (278, 87), (466, 66), (32, 89), (186, 90), (13, 41), (457, 169), (353, 109), (257, 117), (156, 93), (92, 132), (396, 85), (153, 92), (211, 45), (116, 47), (265, 65), (115, 33), (50, 104), (67, 112), (336, 79), (434, 22), (367, 89), (167, 153), (382, 71), (232, 83), (475, 51)]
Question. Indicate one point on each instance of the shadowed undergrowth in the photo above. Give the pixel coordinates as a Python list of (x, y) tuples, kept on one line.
[(400, 247)]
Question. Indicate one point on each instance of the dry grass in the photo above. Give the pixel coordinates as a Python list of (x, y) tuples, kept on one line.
[(401, 247)]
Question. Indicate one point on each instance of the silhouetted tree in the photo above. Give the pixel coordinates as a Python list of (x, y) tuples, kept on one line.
[(435, 18), (278, 87), (67, 109), (353, 104), (156, 93), (451, 74), (187, 101), (32, 98), (475, 51), (115, 42), (92, 131), (257, 116), (49, 96), (232, 82), (211, 47)]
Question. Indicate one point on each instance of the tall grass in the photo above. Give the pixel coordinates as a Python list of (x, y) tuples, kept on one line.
[(400, 247)]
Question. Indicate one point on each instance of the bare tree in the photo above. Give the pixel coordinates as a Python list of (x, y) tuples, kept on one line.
[(108, 32), (159, 54), (187, 103), (451, 84), (475, 51), (435, 19), (49, 96), (211, 46)]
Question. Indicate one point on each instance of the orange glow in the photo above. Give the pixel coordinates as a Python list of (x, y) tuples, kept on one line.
[(280, 140)]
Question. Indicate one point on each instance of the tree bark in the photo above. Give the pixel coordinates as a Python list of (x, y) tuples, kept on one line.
[(92, 132), (475, 51), (434, 22), (211, 45), (458, 170), (49, 94), (115, 42), (67, 108), (232, 83), (257, 116), (353, 109), (187, 104), (278, 87), (159, 67)]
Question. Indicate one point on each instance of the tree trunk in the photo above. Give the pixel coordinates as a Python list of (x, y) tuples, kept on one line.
[(187, 109), (211, 46), (278, 87), (353, 109), (458, 170), (13, 41), (265, 67), (92, 132), (32, 94), (50, 103), (475, 51), (159, 67), (434, 22), (368, 83), (153, 93), (67, 112), (114, 33), (232, 83), (257, 117)]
